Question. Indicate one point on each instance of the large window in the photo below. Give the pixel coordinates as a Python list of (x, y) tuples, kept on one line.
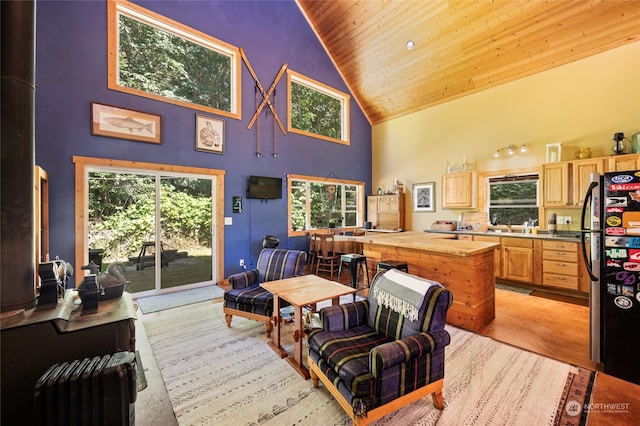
[(317, 110), (316, 203), (513, 199), (155, 57)]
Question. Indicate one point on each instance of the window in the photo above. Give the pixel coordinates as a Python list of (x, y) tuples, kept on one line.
[(513, 199), (317, 110), (155, 57), (316, 203)]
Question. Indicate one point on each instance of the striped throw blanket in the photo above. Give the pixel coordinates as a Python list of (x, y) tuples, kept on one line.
[(401, 292)]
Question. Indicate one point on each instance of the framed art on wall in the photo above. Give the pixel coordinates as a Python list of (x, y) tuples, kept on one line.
[(123, 123), (424, 197), (209, 134)]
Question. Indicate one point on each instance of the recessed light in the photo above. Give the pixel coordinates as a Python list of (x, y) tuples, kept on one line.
[(410, 44)]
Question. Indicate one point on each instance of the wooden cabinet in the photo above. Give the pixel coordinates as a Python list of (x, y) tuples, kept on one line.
[(581, 177), (517, 259), (497, 254), (556, 184), (386, 211), (619, 163), (561, 264), (459, 190)]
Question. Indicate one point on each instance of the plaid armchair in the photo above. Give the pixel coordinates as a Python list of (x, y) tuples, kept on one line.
[(375, 360), (248, 299)]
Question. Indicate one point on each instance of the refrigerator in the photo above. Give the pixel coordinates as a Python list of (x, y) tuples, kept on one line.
[(611, 248)]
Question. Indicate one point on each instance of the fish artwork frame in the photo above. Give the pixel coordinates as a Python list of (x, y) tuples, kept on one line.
[(121, 123)]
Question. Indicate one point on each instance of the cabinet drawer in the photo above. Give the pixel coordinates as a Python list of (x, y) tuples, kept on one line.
[(566, 256), (560, 267), (465, 237), (559, 245), (557, 280), (517, 242)]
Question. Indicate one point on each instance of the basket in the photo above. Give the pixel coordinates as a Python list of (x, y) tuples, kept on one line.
[(444, 225)]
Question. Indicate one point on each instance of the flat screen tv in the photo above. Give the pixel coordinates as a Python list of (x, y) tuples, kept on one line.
[(264, 188)]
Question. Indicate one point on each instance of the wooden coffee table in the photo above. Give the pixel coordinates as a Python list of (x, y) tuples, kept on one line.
[(300, 291)]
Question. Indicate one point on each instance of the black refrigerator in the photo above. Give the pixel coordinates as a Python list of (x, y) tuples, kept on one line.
[(611, 247)]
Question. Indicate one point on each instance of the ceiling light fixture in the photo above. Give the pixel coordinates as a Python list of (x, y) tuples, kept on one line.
[(510, 150), (410, 44)]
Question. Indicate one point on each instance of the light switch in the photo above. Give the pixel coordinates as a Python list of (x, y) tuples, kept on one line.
[(228, 221)]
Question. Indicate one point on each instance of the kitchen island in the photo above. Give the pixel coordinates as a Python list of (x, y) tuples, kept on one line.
[(464, 267)]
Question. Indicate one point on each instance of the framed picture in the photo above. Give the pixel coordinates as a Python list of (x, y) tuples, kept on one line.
[(123, 123), (554, 152), (209, 134), (424, 197)]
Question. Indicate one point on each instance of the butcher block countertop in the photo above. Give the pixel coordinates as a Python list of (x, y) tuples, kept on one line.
[(431, 242)]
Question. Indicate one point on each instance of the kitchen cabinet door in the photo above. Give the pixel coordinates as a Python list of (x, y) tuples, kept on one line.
[(621, 163), (556, 184), (582, 170), (459, 190), (518, 263)]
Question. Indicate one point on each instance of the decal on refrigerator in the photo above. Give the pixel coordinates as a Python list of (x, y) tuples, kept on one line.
[(616, 201)]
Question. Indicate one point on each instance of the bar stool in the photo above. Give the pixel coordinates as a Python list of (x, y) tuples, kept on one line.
[(392, 264), (355, 262)]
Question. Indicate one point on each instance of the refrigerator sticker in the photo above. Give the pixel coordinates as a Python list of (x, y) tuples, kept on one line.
[(623, 302), (633, 242), (615, 209), (634, 255), (612, 289), (635, 196), (638, 297), (631, 266), (627, 290), (616, 263), (625, 187), (616, 201), (626, 277), (614, 221), (622, 179), (614, 231), (616, 253)]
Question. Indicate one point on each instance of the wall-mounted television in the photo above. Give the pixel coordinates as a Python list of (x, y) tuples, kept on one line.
[(264, 188)]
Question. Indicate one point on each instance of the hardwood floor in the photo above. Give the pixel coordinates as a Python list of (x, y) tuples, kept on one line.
[(558, 327)]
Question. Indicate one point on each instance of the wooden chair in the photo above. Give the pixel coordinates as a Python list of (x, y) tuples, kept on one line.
[(327, 260)]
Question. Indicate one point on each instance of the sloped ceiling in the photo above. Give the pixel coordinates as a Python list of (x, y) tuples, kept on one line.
[(461, 46)]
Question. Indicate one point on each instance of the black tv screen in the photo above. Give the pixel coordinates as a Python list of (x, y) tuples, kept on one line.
[(264, 187)]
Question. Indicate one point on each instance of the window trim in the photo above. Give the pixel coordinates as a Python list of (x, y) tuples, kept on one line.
[(483, 190), (133, 11), (344, 98), (316, 179)]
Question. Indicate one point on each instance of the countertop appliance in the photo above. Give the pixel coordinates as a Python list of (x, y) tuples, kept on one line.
[(611, 248)]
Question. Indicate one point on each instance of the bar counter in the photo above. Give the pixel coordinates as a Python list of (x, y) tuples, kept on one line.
[(465, 268)]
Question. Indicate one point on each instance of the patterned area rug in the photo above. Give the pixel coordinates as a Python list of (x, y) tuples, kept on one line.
[(230, 376), (178, 298)]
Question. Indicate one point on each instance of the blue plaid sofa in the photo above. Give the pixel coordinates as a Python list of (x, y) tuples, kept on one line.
[(248, 299), (373, 359)]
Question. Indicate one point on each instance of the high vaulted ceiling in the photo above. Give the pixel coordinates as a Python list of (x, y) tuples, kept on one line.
[(461, 46)]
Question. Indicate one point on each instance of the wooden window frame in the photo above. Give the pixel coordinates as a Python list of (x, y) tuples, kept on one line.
[(140, 14), (295, 77), (315, 179), (82, 164)]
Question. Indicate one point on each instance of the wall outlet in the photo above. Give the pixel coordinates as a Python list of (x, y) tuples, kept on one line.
[(242, 262), (560, 220), (567, 220)]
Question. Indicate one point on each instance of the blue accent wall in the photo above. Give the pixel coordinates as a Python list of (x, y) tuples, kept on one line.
[(71, 73)]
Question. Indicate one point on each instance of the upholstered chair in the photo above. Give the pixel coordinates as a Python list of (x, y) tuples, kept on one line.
[(248, 299), (384, 352)]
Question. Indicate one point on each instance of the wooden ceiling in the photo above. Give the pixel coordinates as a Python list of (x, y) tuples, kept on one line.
[(461, 46)]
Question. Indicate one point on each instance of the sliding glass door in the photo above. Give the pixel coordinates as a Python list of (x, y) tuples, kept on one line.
[(157, 228)]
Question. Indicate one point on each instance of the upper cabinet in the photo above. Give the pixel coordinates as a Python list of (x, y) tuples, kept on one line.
[(386, 211), (459, 190), (620, 163), (582, 170), (556, 178)]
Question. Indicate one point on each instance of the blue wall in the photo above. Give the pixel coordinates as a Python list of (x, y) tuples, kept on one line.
[(71, 72)]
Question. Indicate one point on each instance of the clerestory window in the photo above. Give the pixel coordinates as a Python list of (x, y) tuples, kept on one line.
[(317, 110), (155, 57)]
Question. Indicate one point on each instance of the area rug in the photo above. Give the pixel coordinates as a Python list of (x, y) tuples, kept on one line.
[(230, 376), (178, 298)]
